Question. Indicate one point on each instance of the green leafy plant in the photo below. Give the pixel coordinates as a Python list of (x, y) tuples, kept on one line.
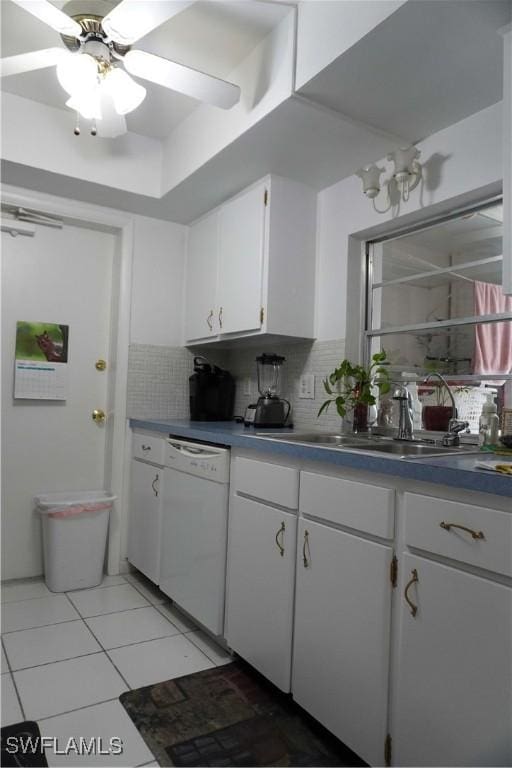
[(351, 385)]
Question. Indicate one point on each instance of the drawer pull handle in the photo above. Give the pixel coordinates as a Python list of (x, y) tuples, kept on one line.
[(280, 544), (155, 490), (414, 579), (146, 447), (474, 534), (305, 550)]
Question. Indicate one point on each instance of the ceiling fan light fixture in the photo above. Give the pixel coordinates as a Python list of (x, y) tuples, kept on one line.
[(87, 103), (77, 72), (127, 95)]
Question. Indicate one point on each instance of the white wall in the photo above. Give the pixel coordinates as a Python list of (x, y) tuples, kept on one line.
[(157, 292), (265, 78), (459, 160), (41, 136), (338, 25)]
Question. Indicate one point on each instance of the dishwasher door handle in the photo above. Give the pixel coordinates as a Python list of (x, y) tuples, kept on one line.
[(188, 450)]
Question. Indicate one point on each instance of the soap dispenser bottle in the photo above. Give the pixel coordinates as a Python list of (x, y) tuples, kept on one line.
[(489, 424)]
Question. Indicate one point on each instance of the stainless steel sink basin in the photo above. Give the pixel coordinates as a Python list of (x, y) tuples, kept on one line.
[(408, 450), (373, 444), (311, 438)]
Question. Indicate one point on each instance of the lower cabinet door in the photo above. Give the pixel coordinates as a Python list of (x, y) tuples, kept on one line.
[(454, 687), (342, 636), (145, 519), (260, 582)]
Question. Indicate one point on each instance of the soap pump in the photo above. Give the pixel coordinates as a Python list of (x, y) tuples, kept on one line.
[(488, 424)]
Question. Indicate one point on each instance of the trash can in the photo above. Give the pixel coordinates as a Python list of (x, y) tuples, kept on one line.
[(75, 527)]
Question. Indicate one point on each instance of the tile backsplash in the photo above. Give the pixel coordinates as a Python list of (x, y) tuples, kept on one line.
[(158, 378)]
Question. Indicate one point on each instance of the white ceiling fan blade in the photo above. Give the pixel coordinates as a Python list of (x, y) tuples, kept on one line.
[(132, 19), (25, 62), (111, 124), (186, 80), (51, 15)]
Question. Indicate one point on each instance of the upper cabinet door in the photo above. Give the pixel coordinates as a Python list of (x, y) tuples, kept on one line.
[(241, 253), (203, 244)]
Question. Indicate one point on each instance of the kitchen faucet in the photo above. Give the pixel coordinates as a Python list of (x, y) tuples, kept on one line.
[(455, 425)]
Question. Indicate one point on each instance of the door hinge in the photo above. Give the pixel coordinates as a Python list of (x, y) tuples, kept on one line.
[(387, 750), (393, 571), (262, 315), (265, 197)]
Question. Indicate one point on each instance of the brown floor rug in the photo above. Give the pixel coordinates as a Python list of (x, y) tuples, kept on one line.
[(230, 716)]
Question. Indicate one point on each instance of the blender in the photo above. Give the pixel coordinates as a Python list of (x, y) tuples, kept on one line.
[(270, 410)]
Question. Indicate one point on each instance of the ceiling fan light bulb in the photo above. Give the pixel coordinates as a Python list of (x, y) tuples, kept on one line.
[(77, 72), (87, 103), (126, 94)]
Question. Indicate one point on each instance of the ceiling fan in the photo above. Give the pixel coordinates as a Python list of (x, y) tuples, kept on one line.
[(94, 68)]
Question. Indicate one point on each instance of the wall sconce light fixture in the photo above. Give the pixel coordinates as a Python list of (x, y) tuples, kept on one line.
[(406, 175)]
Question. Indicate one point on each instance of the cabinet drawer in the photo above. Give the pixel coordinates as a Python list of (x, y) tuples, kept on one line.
[(425, 521), (269, 482), (367, 508), (148, 447)]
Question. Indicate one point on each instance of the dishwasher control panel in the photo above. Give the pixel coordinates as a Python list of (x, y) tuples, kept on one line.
[(203, 460)]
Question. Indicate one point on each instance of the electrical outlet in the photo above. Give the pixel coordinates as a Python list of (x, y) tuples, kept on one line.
[(247, 386), (307, 386)]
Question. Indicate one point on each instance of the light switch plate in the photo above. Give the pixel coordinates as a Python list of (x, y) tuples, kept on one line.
[(307, 386)]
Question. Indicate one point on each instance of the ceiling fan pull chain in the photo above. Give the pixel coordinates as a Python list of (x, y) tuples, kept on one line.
[(77, 124)]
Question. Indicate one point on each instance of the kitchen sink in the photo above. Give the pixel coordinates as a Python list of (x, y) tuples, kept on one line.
[(313, 438), (400, 449)]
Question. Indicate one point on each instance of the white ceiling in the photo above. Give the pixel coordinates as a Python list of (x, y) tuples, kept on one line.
[(213, 37), (428, 65)]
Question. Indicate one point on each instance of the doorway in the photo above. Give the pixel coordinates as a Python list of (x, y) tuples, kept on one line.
[(77, 277)]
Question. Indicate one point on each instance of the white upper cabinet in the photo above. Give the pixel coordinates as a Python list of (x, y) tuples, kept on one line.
[(242, 239), (251, 265), (201, 278)]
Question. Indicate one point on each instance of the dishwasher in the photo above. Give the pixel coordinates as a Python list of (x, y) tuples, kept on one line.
[(194, 529)]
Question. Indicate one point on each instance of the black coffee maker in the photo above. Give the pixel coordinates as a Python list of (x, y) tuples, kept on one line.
[(212, 392)]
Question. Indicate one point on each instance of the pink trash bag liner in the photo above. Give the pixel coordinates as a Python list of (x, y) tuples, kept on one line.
[(78, 509)]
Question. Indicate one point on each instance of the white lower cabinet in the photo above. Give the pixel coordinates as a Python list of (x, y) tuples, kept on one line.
[(145, 518), (342, 635), (453, 697), (454, 683), (260, 584)]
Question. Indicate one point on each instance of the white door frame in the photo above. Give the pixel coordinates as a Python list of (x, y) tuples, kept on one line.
[(121, 224)]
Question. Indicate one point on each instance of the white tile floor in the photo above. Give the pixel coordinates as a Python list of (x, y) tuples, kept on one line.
[(68, 657)]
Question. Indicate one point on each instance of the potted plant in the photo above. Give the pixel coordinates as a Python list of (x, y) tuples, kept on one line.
[(351, 388), (437, 417)]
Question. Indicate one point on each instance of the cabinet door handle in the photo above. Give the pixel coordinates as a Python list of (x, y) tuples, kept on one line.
[(146, 447), (474, 534), (220, 317), (209, 320), (413, 580), (280, 544), (155, 490), (305, 550)]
